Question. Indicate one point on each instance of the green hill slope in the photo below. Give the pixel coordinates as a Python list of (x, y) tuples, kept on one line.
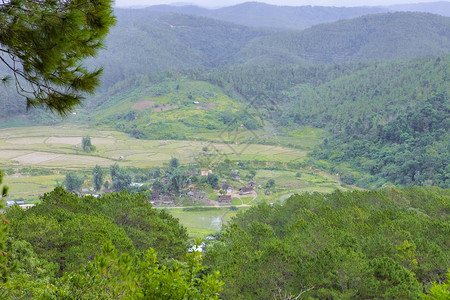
[(173, 108)]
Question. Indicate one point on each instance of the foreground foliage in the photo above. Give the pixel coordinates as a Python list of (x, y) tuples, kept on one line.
[(53, 251), (69, 230), (43, 43), (383, 244), (114, 276)]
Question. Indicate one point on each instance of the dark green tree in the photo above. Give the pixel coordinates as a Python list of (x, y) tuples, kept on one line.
[(155, 172), (113, 170), (72, 182), (120, 179), (177, 180), (87, 144), (212, 180), (97, 177), (174, 163), (270, 183), (157, 186), (43, 44)]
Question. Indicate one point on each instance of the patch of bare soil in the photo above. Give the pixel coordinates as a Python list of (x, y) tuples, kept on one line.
[(143, 105), (64, 140), (211, 105), (208, 106)]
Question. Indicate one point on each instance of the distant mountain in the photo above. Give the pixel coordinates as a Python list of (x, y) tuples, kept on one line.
[(146, 41), (288, 17), (256, 14), (440, 8), (374, 37)]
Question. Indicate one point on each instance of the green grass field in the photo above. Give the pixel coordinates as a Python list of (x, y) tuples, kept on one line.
[(29, 188), (201, 222)]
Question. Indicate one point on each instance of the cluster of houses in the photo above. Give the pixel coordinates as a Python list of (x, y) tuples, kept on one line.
[(228, 189), (21, 204), (196, 195), (87, 192)]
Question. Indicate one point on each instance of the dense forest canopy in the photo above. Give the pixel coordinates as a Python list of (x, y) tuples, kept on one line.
[(383, 244)]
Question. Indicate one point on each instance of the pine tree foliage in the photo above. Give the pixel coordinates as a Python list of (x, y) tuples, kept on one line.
[(3, 231), (43, 44)]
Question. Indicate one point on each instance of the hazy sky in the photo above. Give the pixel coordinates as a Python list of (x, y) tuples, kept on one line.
[(221, 3)]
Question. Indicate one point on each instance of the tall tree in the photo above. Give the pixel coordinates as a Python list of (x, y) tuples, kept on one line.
[(87, 144), (174, 163), (43, 43), (97, 177), (120, 179), (72, 182), (212, 180)]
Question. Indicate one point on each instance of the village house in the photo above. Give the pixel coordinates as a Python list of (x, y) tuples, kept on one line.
[(225, 199), (246, 190), (227, 188), (26, 206), (205, 172), (196, 194), (21, 204), (166, 200), (156, 195), (235, 176), (106, 191), (251, 183)]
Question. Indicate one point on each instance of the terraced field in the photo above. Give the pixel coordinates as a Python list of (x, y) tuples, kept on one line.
[(60, 147)]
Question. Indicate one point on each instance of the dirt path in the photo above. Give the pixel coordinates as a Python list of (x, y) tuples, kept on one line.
[(203, 206)]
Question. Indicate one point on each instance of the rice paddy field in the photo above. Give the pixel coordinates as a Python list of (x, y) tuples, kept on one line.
[(202, 222), (60, 147)]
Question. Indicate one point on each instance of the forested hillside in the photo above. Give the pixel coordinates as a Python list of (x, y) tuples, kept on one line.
[(439, 7), (374, 37), (145, 41), (68, 231), (363, 105)]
